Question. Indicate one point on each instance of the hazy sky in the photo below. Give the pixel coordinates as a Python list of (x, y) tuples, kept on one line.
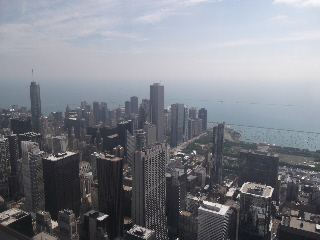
[(230, 40)]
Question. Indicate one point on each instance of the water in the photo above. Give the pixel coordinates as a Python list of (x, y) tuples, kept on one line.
[(276, 107)]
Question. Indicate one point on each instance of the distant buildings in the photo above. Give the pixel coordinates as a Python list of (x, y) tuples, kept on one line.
[(35, 107), (157, 109), (4, 167), (149, 186), (177, 124), (134, 105), (202, 114)]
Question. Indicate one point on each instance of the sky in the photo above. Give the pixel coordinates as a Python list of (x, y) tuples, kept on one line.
[(245, 44)]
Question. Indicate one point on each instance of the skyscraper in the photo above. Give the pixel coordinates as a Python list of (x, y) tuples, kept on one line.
[(4, 167), (217, 155), (32, 176), (35, 107), (134, 104), (177, 124), (127, 108), (213, 221), (61, 183), (144, 112), (110, 192), (202, 114), (96, 112), (149, 189), (157, 109)]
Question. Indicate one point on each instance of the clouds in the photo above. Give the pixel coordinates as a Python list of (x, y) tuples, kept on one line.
[(156, 16), (299, 3)]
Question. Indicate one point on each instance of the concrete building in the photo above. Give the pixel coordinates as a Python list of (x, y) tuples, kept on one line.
[(193, 113), (149, 189), (134, 104), (151, 133), (110, 192), (255, 211), (216, 173), (213, 221), (96, 112), (62, 183), (35, 107), (202, 114), (127, 107), (67, 225), (43, 222), (157, 109), (259, 168), (96, 225), (32, 176), (140, 233), (20, 125)]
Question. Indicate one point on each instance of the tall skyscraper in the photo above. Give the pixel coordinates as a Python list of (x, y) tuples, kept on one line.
[(4, 167), (134, 104), (217, 155), (255, 211), (61, 183), (193, 113), (144, 112), (32, 176), (149, 189), (96, 112), (127, 108), (213, 221), (177, 124), (110, 192), (202, 114), (157, 109), (259, 168), (35, 107)]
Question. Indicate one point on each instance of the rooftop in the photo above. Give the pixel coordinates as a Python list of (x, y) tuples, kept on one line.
[(214, 208), (11, 215), (257, 189), (60, 156), (141, 232)]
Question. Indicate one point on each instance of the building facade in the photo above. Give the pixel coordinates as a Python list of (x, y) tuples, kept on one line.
[(157, 109), (35, 107), (149, 189)]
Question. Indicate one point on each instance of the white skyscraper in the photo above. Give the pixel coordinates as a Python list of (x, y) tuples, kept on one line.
[(157, 109), (213, 221), (149, 189), (32, 176)]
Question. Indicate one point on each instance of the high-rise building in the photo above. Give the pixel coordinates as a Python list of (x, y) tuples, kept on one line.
[(67, 225), (177, 124), (217, 155), (21, 125), (144, 112), (213, 221), (255, 211), (157, 109), (14, 158), (193, 113), (151, 133), (110, 192), (96, 225), (176, 192), (61, 183), (35, 107), (149, 189), (4, 167), (134, 104), (32, 176), (43, 223), (96, 112), (202, 114), (259, 168), (127, 108)]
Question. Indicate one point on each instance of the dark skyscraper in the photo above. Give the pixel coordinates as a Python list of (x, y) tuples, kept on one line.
[(203, 115), (35, 107), (110, 192), (134, 104), (157, 109), (127, 108), (177, 124), (217, 155), (96, 112), (61, 183)]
